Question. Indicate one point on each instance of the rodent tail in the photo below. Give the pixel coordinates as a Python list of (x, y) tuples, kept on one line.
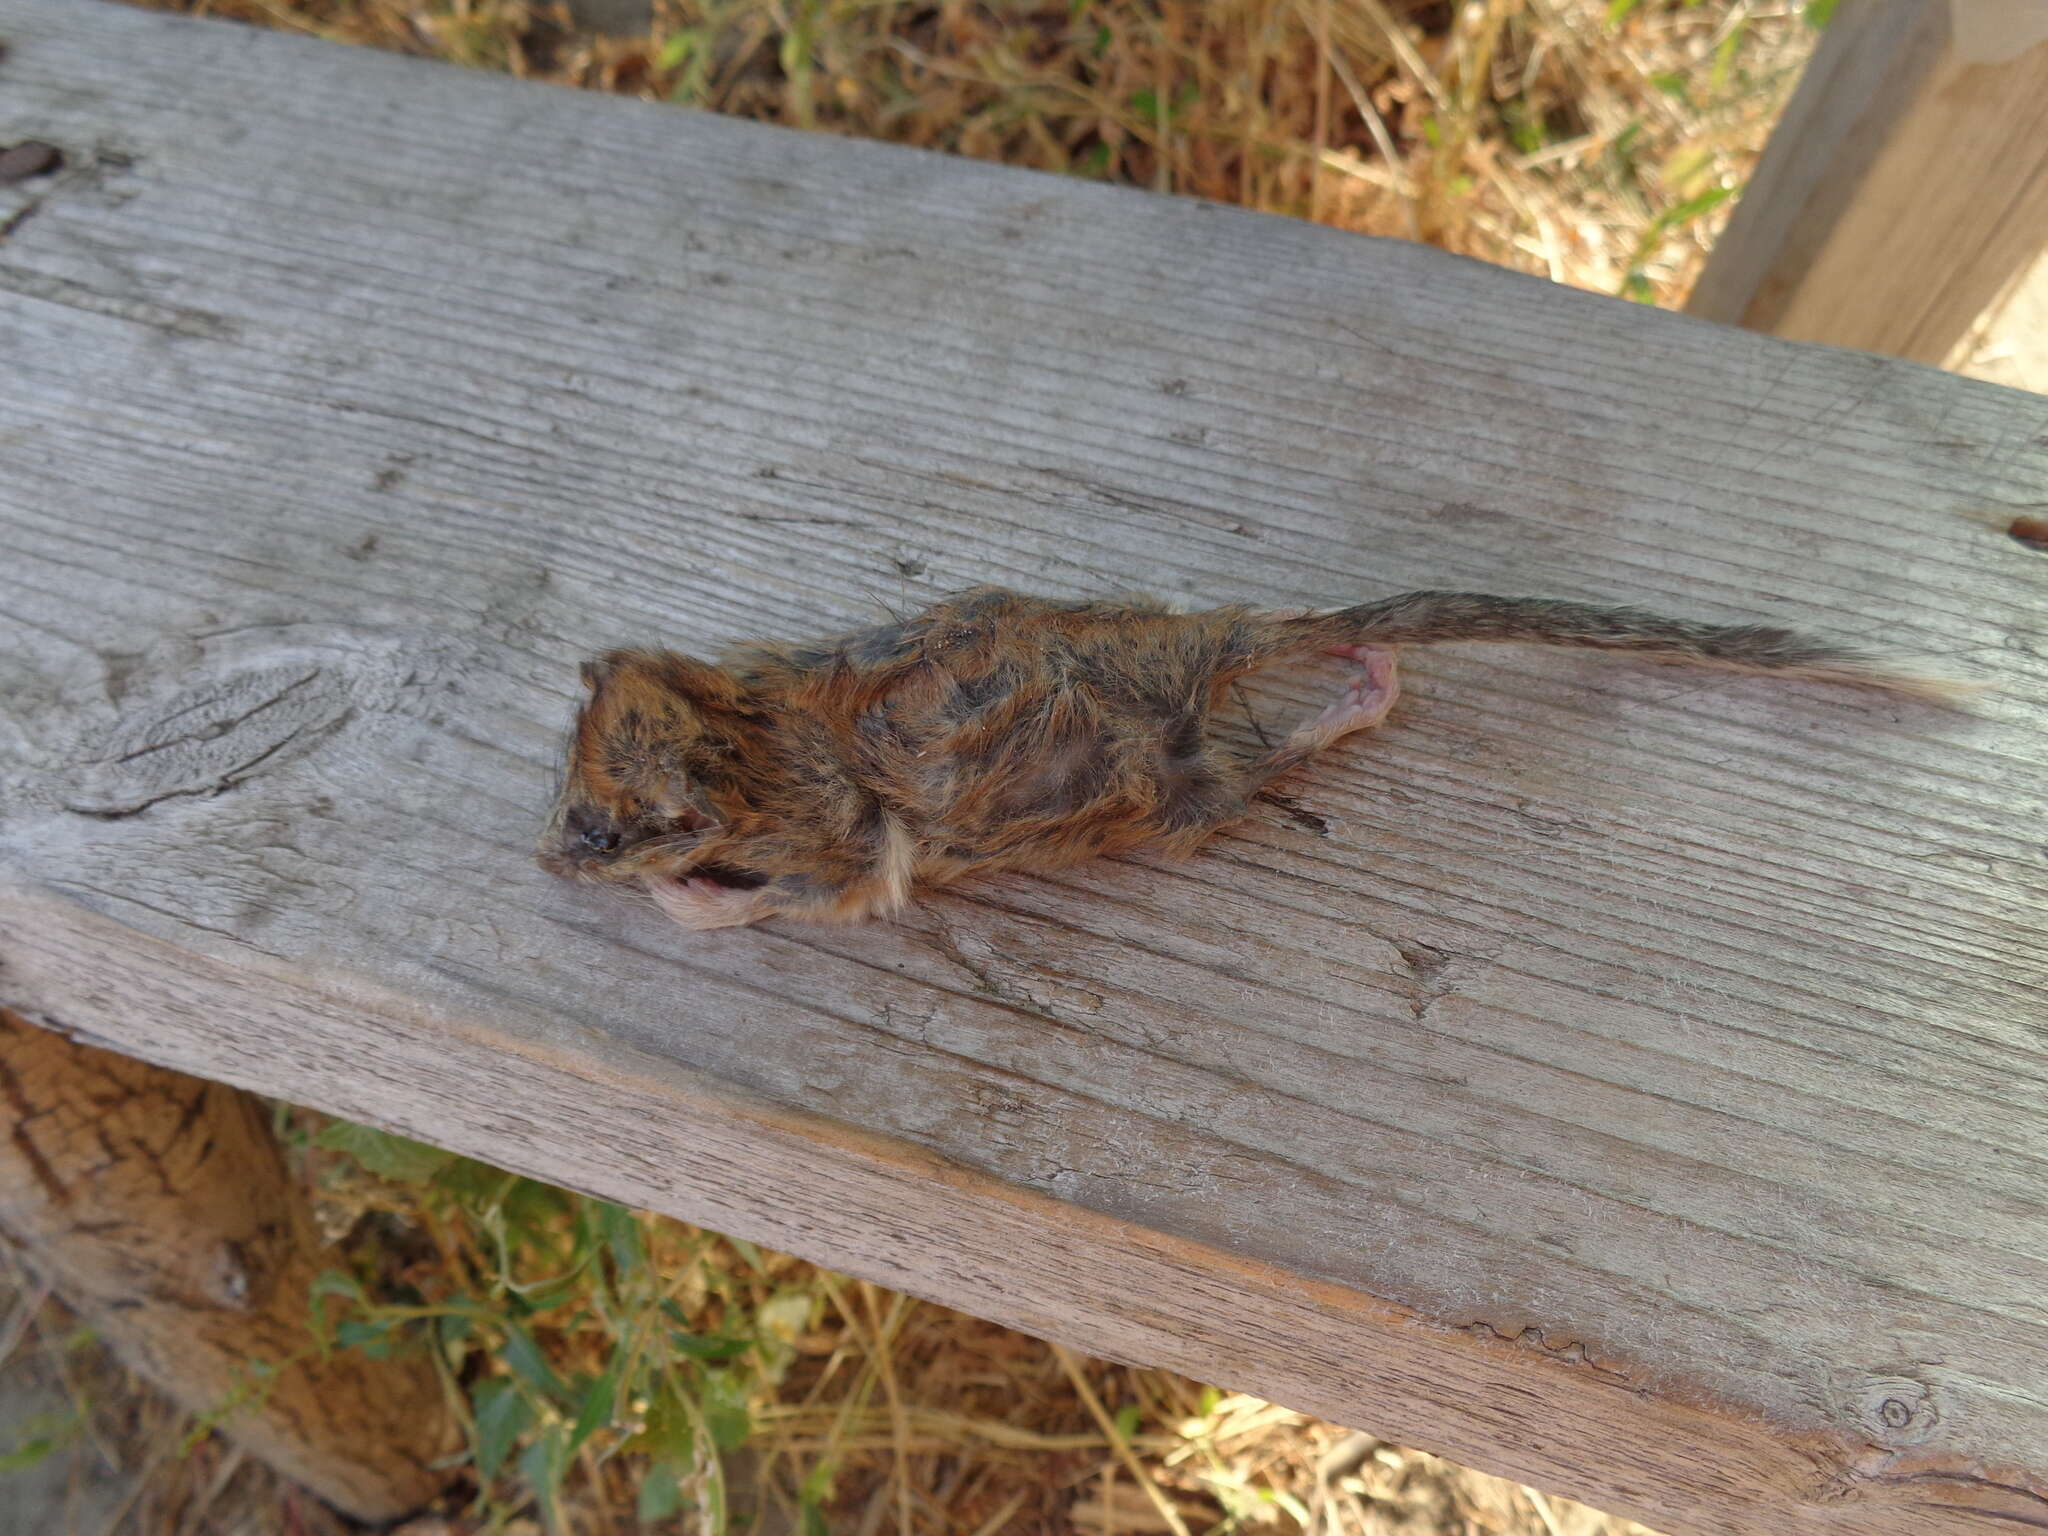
[(1441, 618)]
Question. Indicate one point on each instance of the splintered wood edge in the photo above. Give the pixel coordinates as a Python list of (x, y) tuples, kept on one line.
[(602, 1118)]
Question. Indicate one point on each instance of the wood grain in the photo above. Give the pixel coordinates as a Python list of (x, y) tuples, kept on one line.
[(1623, 1078), (1905, 188)]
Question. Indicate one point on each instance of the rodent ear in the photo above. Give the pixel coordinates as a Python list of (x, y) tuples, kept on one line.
[(624, 666), (705, 685), (699, 682)]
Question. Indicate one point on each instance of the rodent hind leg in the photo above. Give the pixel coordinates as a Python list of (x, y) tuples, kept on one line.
[(1363, 705)]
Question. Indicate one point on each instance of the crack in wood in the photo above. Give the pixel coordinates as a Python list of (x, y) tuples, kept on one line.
[(1573, 1352), (18, 1100), (21, 216), (1295, 811), (172, 319)]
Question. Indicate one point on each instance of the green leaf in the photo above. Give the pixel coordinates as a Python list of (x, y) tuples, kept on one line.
[(1671, 82), (677, 50), (502, 1416), (335, 1282), (41, 1434), (1636, 287), (621, 1230), (699, 1348), (1617, 11), (373, 1339), (556, 1291), (471, 1181), (1692, 208), (723, 1399), (814, 1523), (526, 1360), (1724, 55), (1818, 13), (1127, 1420), (543, 1464), (389, 1157), (1211, 1398), (28, 1453), (326, 1284), (532, 1208), (661, 1492), (598, 1400), (669, 1432), (817, 1488), (1525, 128)]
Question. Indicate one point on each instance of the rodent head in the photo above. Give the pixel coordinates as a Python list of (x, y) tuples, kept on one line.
[(652, 748)]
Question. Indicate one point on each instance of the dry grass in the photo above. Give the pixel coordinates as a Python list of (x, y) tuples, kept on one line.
[(1533, 133)]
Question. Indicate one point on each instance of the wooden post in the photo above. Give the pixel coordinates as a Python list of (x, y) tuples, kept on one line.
[(158, 1205), (1906, 187)]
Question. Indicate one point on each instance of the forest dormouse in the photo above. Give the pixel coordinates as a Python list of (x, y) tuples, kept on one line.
[(999, 731)]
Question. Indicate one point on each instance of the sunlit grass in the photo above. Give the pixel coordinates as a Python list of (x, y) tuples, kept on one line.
[(1592, 141)]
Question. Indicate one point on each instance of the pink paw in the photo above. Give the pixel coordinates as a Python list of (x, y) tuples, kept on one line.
[(1365, 702), (698, 903), (1372, 693)]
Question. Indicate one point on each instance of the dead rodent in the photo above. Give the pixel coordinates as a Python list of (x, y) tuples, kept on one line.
[(999, 731)]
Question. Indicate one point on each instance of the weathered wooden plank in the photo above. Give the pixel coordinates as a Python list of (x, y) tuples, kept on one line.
[(1905, 188), (1627, 1079)]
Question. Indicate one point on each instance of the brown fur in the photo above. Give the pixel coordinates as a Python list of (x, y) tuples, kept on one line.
[(999, 731)]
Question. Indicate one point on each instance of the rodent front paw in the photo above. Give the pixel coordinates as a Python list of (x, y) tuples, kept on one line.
[(699, 903)]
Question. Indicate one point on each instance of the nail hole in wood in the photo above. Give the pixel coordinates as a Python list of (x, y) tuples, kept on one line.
[(18, 162)]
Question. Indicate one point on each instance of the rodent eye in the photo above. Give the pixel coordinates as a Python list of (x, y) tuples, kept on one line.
[(601, 840)]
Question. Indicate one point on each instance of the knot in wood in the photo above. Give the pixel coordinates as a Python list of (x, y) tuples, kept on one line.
[(1896, 1411), (206, 736)]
